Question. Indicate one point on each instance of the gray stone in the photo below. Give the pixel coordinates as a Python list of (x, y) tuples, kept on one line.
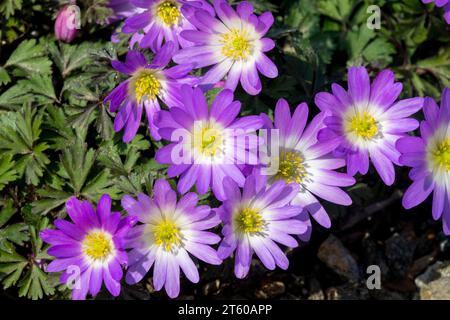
[(337, 257), (399, 253), (270, 289), (434, 283)]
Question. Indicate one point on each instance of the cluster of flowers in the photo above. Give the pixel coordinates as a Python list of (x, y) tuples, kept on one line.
[(261, 209)]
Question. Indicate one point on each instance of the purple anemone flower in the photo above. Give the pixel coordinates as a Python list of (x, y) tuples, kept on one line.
[(147, 84), (233, 42), (442, 3), (256, 219), (91, 249), (162, 21), (168, 233), (305, 161), (429, 157), (122, 9), (367, 122), (215, 143)]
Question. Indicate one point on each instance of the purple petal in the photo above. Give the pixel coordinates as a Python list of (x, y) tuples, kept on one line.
[(417, 192)]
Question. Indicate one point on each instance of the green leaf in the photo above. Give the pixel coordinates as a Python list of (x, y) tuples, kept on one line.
[(51, 199), (7, 171), (30, 57), (7, 212), (358, 38), (41, 85), (11, 267), (8, 7), (71, 57), (104, 124), (339, 10), (98, 185), (379, 50), (15, 97), (19, 135), (4, 76), (439, 67), (14, 233), (77, 161), (34, 284)]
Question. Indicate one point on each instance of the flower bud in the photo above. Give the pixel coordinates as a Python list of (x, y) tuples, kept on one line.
[(67, 23)]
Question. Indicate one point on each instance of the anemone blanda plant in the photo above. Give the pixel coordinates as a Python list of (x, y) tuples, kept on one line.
[(256, 219), (90, 251), (160, 21), (305, 161), (429, 157), (148, 83), (215, 142), (233, 42), (170, 230), (367, 121)]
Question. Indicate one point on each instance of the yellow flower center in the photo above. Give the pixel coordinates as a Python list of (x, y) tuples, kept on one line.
[(145, 85), (167, 235), (97, 245), (208, 139), (364, 125), (249, 221), (291, 167), (236, 45), (168, 12), (441, 154)]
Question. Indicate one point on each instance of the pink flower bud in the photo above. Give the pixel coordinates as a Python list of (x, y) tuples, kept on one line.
[(67, 23)]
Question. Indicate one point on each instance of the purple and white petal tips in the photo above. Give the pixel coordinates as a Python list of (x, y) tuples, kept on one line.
[(169, 232), (367, 122), (148, 85), (429, 157), (233, 43), (256, 220), (207, 145), (161, 21), (300, 158), (90, 251)]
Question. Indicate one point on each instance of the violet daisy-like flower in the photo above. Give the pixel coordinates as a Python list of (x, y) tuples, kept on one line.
[(162, 21), (367, 121), (429, 157), (258, 219), (305, 161), (233, 42), (215, 142), (89, 250), (147, 84), (169, 232), (442, 3), (121, 9)]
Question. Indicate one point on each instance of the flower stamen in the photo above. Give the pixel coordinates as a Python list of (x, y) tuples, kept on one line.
[(441, 154), (249, 221), (236, 45), (167, 235), (168, 12), (363, 125), (97, 245), (208, 139), (145, 85), (291, 167)]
